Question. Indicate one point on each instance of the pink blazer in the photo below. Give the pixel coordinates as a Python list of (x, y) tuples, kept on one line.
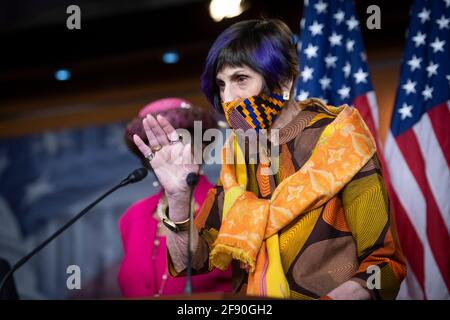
[(142, 275)]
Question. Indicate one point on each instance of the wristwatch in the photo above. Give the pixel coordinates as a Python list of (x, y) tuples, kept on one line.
[(175, 226), (163, 213)]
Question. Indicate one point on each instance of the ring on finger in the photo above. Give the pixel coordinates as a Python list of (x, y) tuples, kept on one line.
[(150, 156), (156, 148), (176, 141)]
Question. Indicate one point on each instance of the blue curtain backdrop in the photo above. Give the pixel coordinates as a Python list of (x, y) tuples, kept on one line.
[(45, 179)]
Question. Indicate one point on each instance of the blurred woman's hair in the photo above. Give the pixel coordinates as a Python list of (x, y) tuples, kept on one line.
[(179, 112), (266, 46)]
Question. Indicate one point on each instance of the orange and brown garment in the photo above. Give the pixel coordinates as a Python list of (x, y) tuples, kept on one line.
[(322, 219)]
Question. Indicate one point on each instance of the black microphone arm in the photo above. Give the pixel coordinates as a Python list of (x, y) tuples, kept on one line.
[(135, 176)]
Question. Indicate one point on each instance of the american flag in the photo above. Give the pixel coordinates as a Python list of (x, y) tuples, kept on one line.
[(332, 59), (417, 152)]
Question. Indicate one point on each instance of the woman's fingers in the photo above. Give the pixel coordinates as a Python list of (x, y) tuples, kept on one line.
[(152, 140), (187, 154), (175, 153), (167, 128), (188, 159), (159, 133), (145, 150)]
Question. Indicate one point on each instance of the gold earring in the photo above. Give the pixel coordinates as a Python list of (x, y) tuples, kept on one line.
[(286, 95)]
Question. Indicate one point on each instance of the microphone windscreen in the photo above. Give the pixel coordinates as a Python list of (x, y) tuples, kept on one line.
[(192, 179), (138, 175)]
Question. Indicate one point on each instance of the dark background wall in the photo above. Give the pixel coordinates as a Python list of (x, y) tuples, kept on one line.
[(115, 59)]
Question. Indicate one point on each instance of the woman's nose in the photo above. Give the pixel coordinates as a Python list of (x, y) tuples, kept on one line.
[(229, 94)]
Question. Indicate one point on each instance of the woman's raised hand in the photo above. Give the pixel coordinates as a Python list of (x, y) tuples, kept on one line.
[(170, 159)]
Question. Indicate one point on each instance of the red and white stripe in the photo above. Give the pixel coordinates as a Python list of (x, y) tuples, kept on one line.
[(418, 166), (368, 108)]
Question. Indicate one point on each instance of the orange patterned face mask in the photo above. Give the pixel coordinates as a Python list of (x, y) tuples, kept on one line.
[(256, 112)]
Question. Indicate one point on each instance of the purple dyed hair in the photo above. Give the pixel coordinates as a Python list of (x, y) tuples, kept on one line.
[(266, 46)]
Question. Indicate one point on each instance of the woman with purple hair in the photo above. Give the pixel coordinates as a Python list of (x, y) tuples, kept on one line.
[(318, 227)]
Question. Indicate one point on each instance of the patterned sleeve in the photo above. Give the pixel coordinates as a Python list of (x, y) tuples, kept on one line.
[(371, 223), (207, 223)]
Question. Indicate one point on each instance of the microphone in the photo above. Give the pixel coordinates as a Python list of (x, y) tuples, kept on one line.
[(135, 176), (191, 180)]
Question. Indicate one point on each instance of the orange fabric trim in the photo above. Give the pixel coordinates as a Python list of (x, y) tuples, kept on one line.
[(334, 215), (263, 180), (387, 253), (286, 166), (203, 214)]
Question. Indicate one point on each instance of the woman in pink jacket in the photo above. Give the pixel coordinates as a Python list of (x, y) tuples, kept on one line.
[(144, 268)]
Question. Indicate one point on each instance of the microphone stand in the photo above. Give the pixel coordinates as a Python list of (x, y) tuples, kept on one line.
[(135, 176), (192, 180)]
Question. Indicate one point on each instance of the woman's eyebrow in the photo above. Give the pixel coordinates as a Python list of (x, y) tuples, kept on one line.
[(236, 72), (233, 74)]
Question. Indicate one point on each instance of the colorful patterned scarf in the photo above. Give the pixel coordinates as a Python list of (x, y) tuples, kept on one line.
[(256, 112), (250, 225)]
